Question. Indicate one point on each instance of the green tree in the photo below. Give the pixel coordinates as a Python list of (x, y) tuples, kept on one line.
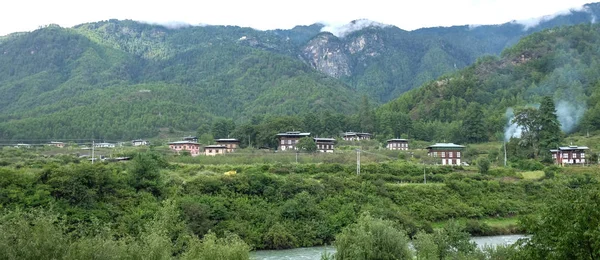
[(366, 116), (474, 125), (567, 228), (306, 144), (550, 135), (371, 239), (222, 128), (529, 121), (484, 165)]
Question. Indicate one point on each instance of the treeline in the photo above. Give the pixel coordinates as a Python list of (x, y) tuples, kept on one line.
[(561, 63)]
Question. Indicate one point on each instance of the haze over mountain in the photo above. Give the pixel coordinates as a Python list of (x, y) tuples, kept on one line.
[(124, 79)]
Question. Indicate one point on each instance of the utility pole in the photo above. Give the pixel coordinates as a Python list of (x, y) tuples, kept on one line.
[(296, 156), (504, 153), (424, 176), (357, 161), (93, 152)]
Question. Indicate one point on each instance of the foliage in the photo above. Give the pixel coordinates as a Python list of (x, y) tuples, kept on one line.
[(306, 144), (567, 228), (483, 164), (372, 238)]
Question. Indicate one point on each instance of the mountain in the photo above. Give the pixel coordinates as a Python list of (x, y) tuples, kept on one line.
[(124, 79), (559, 62), (70, 83)]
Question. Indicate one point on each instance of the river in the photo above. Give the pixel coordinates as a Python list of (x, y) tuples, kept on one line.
[(314, 253)]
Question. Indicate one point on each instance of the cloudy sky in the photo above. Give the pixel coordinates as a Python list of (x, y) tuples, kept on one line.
[(27, 15)]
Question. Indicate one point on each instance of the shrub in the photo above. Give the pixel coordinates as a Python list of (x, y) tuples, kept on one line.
[(371, 238)]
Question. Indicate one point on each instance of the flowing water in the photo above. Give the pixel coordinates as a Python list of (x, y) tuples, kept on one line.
[(314, 253)]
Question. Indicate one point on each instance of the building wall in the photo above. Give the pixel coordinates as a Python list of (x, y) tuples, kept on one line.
[(194, 149), (288, 143), (214, 151), (397, 146), (325, 148), (569, 157), (449, 157)]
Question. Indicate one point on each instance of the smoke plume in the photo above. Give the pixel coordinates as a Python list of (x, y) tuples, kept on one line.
[(569, 115), (511, 129), (356, 25)]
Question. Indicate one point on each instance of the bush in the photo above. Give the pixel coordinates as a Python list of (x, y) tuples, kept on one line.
[(528, 165), (371, 238), (484, 165)]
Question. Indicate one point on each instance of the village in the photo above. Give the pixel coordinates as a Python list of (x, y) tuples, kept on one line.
[(449, 154)]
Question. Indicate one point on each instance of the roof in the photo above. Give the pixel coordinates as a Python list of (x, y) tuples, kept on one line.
[(570, 148), (318, 139), (215, 146), (183, 142), (190, 137), (445, 145), (139, 140), (56, 142), (354, 133), (227, 140), (299, 134), (397, 140)]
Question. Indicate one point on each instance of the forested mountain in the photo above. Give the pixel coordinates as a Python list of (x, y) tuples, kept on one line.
[(124, 79), (561, 62), (58, 83)]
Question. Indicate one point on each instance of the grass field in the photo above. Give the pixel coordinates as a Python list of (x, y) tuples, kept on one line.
[(532, 175)]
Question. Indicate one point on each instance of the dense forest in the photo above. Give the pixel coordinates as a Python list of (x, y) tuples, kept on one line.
[(118, 80)]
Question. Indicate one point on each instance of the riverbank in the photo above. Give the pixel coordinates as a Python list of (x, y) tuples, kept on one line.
[(314, 253)]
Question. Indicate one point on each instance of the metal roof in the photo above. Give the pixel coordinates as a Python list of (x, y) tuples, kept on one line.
[(215, 146), (445, 145), (293, 134), (573, 147), (324, 139), (227, 140), (183, 142), (397, 140)]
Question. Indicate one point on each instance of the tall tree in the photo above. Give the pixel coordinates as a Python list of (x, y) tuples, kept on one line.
[(222, 128), (474, 125), (529, 121), (550, 135), (366, 116)]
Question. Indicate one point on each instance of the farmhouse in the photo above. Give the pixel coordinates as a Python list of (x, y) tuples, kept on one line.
[(104, 145), (569, 155), (324, 145), (288, 140), (212, 150), (192, 147), (139, 142), (230, 143), (191, 139), (57, 144), (352, 136), (448, 152), (397, 144)]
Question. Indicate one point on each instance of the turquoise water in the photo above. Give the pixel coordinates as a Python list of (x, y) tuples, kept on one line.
[(314, 253)]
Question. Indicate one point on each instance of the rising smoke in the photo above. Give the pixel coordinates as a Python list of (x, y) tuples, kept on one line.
[(569, 115), (356, 25), (511, 129)]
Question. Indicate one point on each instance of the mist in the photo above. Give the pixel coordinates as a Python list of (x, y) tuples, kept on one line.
[(511, 129), (533, 22), (569, 114), (356, 25)]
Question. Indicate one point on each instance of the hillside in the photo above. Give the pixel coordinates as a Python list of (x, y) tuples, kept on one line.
[(57, 83), (561, 62)]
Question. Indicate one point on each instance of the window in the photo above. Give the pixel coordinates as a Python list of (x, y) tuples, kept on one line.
[(574, 155), (449, 154), (443, 154), (565, 156), (582, 155), (289, 141), (282, 141), (553, 156), (457, 154), (209, 151)]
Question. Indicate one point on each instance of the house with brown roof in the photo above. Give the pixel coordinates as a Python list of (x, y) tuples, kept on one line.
[(324, 145), (397, 144), (192, 147), (288, 140), (212, 150), (569, 155), (231, 143)]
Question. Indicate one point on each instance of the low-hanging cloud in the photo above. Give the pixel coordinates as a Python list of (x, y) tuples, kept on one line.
[(356, 25), (533, 22)]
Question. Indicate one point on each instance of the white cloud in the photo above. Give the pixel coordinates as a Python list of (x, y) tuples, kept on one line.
[(356, 25), (27, 15)]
